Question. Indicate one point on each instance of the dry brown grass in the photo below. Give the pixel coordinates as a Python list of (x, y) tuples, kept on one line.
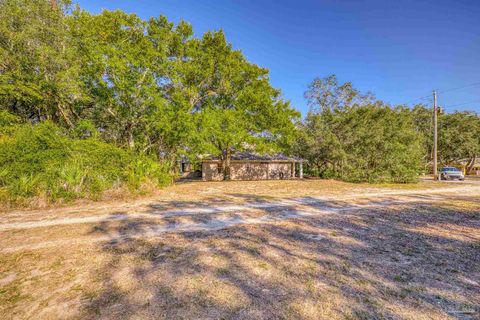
[(415, 259)]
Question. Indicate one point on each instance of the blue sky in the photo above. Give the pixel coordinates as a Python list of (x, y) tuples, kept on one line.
[(399, 50)]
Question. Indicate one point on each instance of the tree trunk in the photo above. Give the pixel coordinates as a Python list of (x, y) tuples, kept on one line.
[(131, 141), (174, 168), (226, 164), (471, 164), (64, 116)]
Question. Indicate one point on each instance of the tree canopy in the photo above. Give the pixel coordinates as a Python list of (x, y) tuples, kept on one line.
[(352, 136), (149, 86)]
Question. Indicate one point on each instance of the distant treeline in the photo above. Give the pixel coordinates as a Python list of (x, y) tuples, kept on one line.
[(355, 137), (92, 102)]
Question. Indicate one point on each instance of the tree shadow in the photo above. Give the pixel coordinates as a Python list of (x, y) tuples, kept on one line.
[(393, 260)]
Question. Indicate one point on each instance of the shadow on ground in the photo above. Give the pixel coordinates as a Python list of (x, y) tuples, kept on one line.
[(402, 261)]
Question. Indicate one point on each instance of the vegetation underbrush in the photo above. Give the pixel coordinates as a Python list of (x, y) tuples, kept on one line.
[(43, 164)]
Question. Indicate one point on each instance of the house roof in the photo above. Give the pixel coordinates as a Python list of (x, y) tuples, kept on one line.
[(247, 156)]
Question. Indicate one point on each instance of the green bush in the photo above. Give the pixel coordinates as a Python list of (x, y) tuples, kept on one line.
[(8, 122), (42, 161), (370, 143)]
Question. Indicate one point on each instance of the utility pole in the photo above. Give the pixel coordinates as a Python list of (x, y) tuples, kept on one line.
[(435, 173)]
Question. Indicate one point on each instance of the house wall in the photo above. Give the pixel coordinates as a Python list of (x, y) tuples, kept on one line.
[(249, 171), (244, 170), (280, 170), (210, 171)]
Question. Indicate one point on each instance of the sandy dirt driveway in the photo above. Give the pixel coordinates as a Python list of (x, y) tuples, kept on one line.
[(249, 250)]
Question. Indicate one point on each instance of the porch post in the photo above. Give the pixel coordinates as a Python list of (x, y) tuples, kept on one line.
[(292, 169), (301, 170)]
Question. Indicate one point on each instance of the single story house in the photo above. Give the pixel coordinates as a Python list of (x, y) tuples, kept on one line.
[(249, 166)]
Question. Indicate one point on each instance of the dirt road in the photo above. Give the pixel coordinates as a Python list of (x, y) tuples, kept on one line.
[(208, 216)]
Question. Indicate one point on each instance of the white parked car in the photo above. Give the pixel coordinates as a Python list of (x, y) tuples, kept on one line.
[(451, 173)]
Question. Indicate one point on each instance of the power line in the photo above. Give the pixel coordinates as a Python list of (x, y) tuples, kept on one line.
[(420, 98), (462, 104), (462, 87), (428, 97)]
